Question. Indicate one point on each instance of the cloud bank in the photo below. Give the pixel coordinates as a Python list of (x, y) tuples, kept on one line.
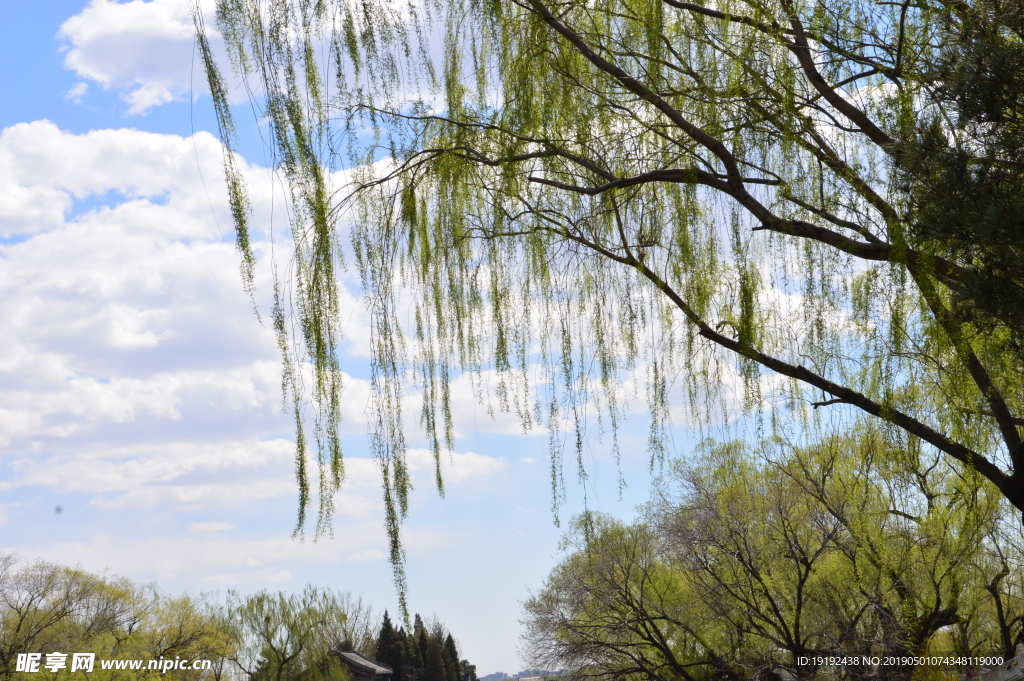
[(143, 48), (135, 374)]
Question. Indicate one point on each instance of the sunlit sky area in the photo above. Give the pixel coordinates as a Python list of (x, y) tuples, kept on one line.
[(141, 426)]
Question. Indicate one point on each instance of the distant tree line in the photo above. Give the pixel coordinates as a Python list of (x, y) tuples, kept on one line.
[(749, 564), (423, 654), (263, 636), (46, 608)]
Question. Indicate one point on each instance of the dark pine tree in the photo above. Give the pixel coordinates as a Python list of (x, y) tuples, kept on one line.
[(468, 671), (390, 648), (411, 657), (433, 663), (422, 643), (450, 655), (418, 628), (385, 639)]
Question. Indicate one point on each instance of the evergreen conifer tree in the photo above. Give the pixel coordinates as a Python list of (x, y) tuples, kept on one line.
[(422, 642), (413, 659), (385, 639), (450, 654), (391, 649), (433, 662)]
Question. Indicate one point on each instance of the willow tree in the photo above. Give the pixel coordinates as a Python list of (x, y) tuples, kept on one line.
[(744, 564), (571, 195)]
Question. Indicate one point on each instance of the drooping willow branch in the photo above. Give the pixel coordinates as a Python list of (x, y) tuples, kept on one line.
[(557, 186)]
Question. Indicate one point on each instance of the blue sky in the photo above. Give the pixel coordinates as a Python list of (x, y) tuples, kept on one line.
[(140, 394)]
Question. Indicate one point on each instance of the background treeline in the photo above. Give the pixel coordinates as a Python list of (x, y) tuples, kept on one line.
[(744, 561), (427, 653), (264, 636)]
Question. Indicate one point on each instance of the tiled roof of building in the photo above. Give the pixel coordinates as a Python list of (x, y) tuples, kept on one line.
[(363, 663)]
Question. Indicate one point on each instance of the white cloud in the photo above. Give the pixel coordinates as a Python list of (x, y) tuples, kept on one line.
[(43, 170), (139, 392), (206, 559), (200, 496), (470, 412), (210, 526), (73, 405), (145, 48), (126, 315), (183, 474), (77, 93), (455, 467), (367, 555), (212, 560)]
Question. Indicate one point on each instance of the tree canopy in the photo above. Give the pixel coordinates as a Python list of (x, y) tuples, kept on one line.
[(421, 655), (821, 199), (47, 608), (756, 564)]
